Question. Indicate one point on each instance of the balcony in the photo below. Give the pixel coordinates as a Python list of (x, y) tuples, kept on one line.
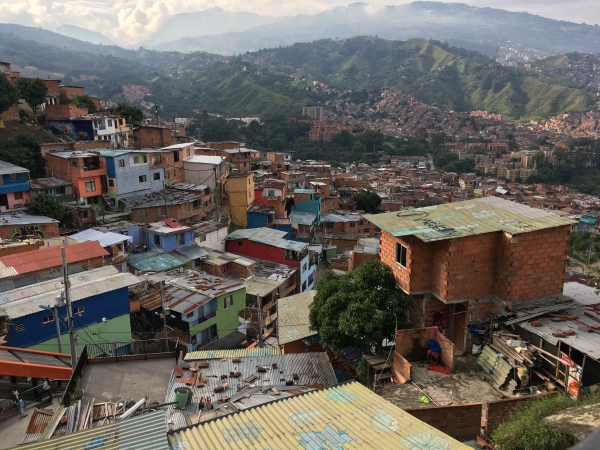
[(204, 318)]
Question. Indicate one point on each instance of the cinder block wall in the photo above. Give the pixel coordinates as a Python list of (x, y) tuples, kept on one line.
[(500, 411), (411, 345), (462, 422)]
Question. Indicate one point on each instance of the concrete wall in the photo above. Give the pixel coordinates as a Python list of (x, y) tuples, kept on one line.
[(214, 240), (127, 178), (43, 230), (462, 422), (500, 411)]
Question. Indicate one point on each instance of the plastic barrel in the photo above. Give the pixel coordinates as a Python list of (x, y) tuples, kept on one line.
[(181, 397)]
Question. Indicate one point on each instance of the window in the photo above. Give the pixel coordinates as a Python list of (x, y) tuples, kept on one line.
[(304, 286), (162, 211), (79, 309), (74, 164), (19, 326), (197, 204), (14, 176), (175, 156), (352, 224), (90, 185), (189, 315), (83, 214), (142, 178), (360, 222), (121, 163), (47, 319), (329, 224), (304, 267), (188, 152), (224, 268), (228, 301), (366, 230), (157, 159), (18, 195), (401, 254), (271, 193), (60, 190), (109, 123), (239, 243), (157, 176), (181, 239), (111, 183), (157, 240), (202, 238), (194, 340), (187, 207), (142, 213)]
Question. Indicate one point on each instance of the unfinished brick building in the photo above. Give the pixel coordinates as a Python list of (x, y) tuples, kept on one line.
[(460, 262)]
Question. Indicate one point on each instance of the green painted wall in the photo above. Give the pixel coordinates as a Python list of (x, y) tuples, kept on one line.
[(226, 319), (117, 329)]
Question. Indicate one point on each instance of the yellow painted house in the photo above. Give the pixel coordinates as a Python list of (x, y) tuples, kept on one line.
[(241, 197)]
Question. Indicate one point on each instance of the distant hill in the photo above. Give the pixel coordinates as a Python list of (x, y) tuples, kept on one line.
[(481, 29), (448, 77), (84, 35)]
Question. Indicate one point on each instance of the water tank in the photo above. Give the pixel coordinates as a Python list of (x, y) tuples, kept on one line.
[(182, 396)]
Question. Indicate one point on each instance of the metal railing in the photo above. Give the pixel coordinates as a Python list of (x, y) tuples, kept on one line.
[(204, 318), (75, 375), (130, 348)]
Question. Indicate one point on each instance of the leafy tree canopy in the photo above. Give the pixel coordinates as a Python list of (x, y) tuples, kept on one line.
[(132, 114), (429, 201), (33, 91), (84, 101), (24, 151), (367, 201), (9, 94), (358, 309), (46, 205)]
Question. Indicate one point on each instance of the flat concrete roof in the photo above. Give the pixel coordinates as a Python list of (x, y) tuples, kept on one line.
[(127, 380)]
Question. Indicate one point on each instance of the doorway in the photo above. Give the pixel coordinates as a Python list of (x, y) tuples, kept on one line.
[(460, 325)]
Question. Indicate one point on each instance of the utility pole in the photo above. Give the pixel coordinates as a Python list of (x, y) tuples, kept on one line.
[(216, 194), (156, 106), (164, 314), (261, 343), (60, 349), (69, 310)]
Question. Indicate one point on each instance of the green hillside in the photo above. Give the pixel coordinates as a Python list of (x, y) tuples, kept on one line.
[(435, 73)]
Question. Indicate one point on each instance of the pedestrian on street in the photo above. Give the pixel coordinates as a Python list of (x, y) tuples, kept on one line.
[(47, 389), (18, 403)]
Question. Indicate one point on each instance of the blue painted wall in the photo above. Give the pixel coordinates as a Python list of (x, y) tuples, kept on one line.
[(286, 228), (167, 243), (110, 167), (258, 220), (311, 206), (20, 184), (110, 305)]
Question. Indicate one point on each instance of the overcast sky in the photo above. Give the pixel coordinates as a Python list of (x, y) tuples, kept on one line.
[(130, 21)]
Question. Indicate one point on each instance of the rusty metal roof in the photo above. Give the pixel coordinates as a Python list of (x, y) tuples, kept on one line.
[(468, 218), (46, 258), (346, 416)]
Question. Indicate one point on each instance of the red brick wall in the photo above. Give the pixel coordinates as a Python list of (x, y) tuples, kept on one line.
[(154, 137), (357, 259), (532, 265), (331, 204), (68, 92), (53, 86), (462, 422), (174, 211), (64, 111), (11, 114), (343, 243), (401, 368), (239, 271), (212, 270), (411, 345), (292, 347), (49, 229), (500, 411)]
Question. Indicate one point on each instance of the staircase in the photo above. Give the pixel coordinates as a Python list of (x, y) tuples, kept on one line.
[(109, 203), (381, 368)]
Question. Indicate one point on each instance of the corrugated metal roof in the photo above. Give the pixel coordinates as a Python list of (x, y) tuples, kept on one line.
[(45, 183), (105, 239), (306, 372), (292, 314), (261, 286), (235, 353), (26, 300), (494, 365), (145, 262), (269, 236), (143, 432), (24, 219), (6, 168), (302, 217), (468, 218), (192, 251), (347, 416)]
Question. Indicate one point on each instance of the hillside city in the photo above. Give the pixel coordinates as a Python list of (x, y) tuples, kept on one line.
[(422, 283)]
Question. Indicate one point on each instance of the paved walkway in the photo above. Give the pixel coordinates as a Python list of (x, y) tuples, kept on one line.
[(13, 429)]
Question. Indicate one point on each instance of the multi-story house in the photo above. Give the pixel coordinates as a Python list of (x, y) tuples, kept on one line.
[(85, 170), (61, 190), (100, 302), (345, 223), (129, 173), (270, 192), (15, 189), (461, 262), (211, 171), (166, 236), (269, 245), (172, 203), (151, 136), (202, 307), (111, 128), (294, 179), (241, 197), (210, 234)]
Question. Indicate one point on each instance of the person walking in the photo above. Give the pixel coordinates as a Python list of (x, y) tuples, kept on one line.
[(47, 389), (18, 403)]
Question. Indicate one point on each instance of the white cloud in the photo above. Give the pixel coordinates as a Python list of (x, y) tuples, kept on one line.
[(130, 21)]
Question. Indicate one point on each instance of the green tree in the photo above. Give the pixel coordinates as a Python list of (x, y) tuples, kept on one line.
[(132, 114), (9, 95), (24, 151), (359, 309), (538, 159), (367, 201), (84, 101), (429, 201), (33, 91), (46, 205)]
